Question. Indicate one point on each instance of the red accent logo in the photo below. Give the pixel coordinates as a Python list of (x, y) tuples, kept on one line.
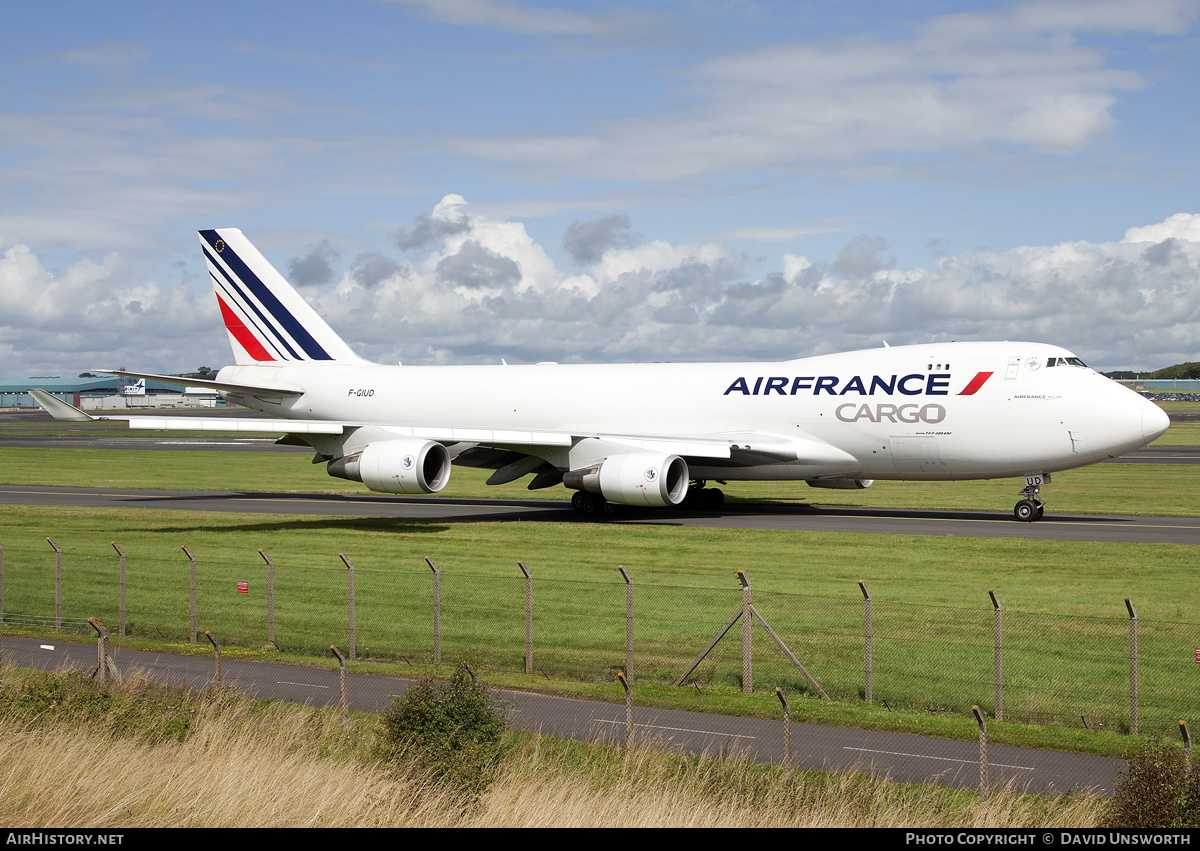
[(976, 382)]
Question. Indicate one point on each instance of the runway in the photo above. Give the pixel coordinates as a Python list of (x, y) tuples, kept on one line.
[(1078, 527)]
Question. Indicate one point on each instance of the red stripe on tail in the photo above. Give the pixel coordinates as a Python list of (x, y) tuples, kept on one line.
[(242, 334)]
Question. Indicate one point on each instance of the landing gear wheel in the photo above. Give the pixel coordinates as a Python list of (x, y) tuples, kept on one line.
[(701, 498), (1027, 510), (1031, 508), (592, 505)]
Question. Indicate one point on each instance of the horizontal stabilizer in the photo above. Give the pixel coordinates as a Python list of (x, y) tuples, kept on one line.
[(257, 389), (64, 412), (59, 409)]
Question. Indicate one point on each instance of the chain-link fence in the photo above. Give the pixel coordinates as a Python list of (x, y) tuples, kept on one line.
[(1101, 666)]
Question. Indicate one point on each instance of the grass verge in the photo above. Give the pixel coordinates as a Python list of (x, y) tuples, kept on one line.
[(276, 765)]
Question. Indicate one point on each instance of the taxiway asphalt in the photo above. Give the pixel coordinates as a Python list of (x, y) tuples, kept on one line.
[(981, 524)]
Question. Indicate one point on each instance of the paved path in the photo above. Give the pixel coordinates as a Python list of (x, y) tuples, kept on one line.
[(900, 756)]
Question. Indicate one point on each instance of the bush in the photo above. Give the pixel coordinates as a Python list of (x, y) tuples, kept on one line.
[(136, 707), (1156, 790), (454, 729)]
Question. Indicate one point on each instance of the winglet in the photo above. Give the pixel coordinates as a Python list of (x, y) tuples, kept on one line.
[(59, 409)]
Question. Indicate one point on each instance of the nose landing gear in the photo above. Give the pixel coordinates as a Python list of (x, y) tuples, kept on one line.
[(1031, 508)]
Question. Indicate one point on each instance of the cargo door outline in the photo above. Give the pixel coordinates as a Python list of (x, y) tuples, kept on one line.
[(916, 454)]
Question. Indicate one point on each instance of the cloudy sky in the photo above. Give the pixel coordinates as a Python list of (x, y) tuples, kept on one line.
[(469, 180)]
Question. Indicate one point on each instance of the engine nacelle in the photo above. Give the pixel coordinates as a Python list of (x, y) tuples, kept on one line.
[(640, 478), (842, 484), (396, 466)]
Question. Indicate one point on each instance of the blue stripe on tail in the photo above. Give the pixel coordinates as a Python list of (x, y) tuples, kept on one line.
[(267, 299)]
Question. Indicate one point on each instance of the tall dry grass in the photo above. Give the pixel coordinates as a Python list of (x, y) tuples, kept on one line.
[(286, 766)]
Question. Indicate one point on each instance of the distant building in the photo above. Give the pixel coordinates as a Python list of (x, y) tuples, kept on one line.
[(105, 392), (1163, 385)]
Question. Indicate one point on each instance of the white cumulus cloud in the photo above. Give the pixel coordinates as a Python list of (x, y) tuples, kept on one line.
[(484, 289)]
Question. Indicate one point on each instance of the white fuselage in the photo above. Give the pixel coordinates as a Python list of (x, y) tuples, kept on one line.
[(938, 411)]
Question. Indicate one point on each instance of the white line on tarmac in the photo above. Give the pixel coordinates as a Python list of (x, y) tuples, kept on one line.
[(942, 758)]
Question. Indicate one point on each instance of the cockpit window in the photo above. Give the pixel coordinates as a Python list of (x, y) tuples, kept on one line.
[(1065, 362)]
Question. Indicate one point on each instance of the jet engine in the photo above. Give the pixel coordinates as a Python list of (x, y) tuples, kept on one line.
[(842, 484), (639, 478), (396, 466)]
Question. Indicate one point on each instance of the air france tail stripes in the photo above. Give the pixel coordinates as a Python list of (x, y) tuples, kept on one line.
[(244, 336), (252, 291), (253, 319)]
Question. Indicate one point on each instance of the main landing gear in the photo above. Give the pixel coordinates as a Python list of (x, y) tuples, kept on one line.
[(701, 498), (1031, 508), (698, 498), (592, 505)]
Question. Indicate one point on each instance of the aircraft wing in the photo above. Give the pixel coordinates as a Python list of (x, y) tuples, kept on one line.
[(732, 449)]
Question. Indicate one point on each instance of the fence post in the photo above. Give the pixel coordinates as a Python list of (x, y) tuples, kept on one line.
[(629, 622), (270, 598), (868, 636), (983, 763), (192, 618), (350, 593), (747, 647), (628, 709), (57, 586), (344, 701), (104, 664), (217, 651), (1133, 668), (787, 729), (528, 617), (999, 659), (1187, 746), (437, 612), (120, 591)]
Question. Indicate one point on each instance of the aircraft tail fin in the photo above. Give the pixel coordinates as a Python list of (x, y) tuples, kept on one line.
[(266, 318)]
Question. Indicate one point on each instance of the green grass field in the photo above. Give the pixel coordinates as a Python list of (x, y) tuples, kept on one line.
[(1066, 631)]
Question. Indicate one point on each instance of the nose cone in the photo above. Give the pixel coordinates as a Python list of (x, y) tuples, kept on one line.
[(1154, 421), (1113, 419)]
